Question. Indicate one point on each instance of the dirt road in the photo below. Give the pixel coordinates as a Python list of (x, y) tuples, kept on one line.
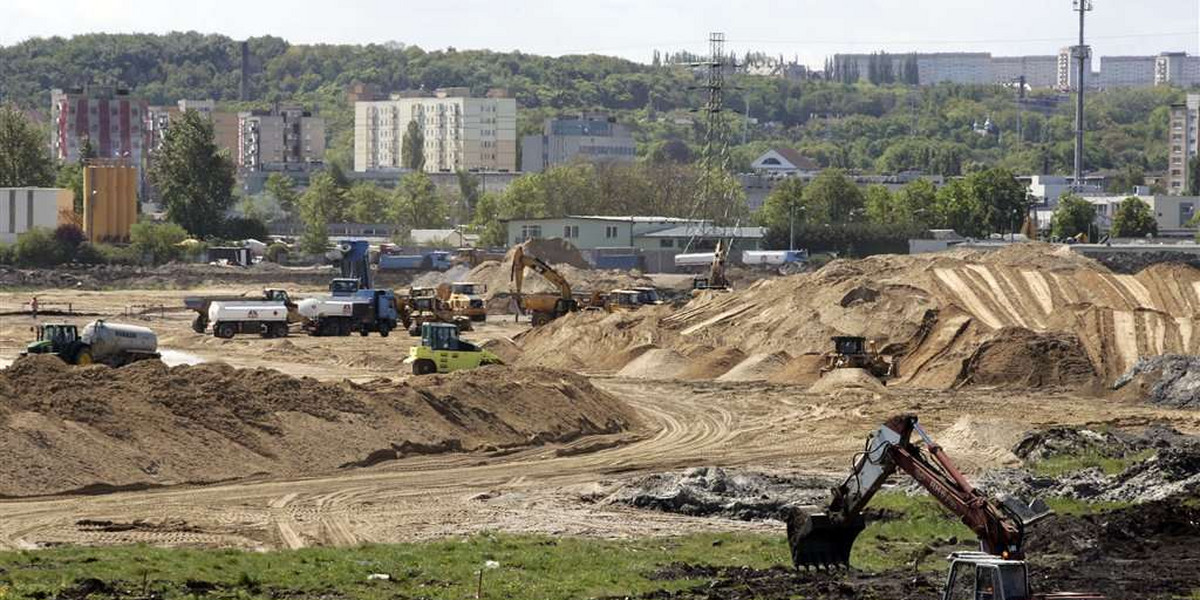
[(554, 489)]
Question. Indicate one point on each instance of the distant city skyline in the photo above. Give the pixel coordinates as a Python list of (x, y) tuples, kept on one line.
[(810, 31)]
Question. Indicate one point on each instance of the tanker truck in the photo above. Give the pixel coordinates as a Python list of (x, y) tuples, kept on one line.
[(113, 344), (268, 319)]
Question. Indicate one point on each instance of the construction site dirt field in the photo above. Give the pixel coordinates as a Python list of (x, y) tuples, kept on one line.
[(725, 381)]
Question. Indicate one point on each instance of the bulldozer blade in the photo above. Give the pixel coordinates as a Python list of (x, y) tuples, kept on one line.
[(819, 541)]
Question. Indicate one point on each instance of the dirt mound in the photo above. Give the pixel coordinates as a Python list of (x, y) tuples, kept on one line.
[(839, 380), (655, 363), (1171, 380), (68, 428), (1018, 357), (712, 364), (712, 491), (935, 311), (757, 367), (803, 369)]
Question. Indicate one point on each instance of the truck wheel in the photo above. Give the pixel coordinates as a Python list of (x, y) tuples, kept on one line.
[(539, 319), (84, 358), (479, 318), (224, 330), (424, 367), (279, 330), (345, 328), (415, 330), (384, 330), (200, 323), (363, 331)]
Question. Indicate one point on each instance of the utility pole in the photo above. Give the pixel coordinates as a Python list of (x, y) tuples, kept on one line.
[(1082, 55)]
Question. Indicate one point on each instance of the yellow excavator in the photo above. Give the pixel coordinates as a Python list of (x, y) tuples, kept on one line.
[(715, 281), (542, 307)]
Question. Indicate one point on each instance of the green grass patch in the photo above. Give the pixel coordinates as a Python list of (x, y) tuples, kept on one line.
[(919, 522), (1074, 507), (1057, 466), (528, 567)]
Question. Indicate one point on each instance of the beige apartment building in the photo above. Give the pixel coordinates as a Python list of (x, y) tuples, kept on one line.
[(285, 138), (461, 132), (1182, 144)]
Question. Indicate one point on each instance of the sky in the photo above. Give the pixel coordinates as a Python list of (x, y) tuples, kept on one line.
[(807, 29)]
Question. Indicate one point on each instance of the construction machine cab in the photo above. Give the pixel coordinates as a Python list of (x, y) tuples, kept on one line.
[(276, 295), (982, 576), (54, 337), (849, 345), (443, 336), (343, 286), (647, 295)]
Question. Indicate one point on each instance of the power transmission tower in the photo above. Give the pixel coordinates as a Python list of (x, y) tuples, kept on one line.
[(1082, 55), (712, 203)]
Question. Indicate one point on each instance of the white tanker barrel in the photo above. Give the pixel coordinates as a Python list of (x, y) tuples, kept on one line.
[(111, 339)]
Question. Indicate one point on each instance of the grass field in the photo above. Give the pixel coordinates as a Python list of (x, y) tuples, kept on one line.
[(513, 566)]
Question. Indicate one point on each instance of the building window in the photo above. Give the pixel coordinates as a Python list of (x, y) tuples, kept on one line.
[(531, 232), (1186, 211), (610, 232), (666, 243), (571, 231)]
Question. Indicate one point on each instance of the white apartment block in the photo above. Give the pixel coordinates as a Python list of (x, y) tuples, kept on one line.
[(461, 133), (1127, 71), (1182, 143), (1039, 71), (1177, 69), (954, 67)]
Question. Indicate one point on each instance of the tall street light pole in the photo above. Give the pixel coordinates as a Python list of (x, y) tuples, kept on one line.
[(1082, 55)]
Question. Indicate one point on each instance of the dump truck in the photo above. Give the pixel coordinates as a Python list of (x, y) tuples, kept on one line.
[(542, 308), (855, 352), (997, 571), (442, 351), (201, 305), (268, 319), (464, 298), (348, 310), (112, 344)]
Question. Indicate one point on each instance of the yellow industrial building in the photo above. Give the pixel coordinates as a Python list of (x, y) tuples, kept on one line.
[(109, 200)]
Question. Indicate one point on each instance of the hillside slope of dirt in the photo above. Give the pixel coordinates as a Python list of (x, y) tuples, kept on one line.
[(937, 312), (67, 428)]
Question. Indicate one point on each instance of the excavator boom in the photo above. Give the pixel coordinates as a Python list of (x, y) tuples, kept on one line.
[(825, 539)]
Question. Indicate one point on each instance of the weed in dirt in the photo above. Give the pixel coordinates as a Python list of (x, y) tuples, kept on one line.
[(1062, 464)]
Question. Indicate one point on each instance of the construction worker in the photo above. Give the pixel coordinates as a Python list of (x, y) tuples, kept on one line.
[(33, 306)]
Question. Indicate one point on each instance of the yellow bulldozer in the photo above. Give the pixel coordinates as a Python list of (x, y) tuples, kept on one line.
[(855, 352)]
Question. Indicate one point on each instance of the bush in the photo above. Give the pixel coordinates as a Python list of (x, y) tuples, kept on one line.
[(89, 254), (276, 252), (847, 239), (117, 255), (6, 254), (242, 228), (38, 248), (158, 242)]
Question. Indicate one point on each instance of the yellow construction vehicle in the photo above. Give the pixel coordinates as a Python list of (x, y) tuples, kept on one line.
[(425, 305), (854, 352), (542, 307), (464, 298), (715, 280), (441, 351)]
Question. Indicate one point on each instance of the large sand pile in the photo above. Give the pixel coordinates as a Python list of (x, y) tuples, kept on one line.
[(993, 313), (67, 428)]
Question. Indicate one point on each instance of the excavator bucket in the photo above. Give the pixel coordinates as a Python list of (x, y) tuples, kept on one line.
[(819, 541)]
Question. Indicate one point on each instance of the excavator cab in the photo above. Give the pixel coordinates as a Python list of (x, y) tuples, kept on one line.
[(981, 576)]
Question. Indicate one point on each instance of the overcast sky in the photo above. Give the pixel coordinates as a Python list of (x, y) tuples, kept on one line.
[(810, 29)]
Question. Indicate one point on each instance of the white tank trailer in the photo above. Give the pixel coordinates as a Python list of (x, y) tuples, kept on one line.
[(268, 319), (116, 342)]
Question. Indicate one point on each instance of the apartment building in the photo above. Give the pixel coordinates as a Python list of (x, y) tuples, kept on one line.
[(1038, 71), (1177, 69), (461, 132), (285, 138), (1127, 71), (590, 137), (954, 67), (109, 118), (1182, 143)]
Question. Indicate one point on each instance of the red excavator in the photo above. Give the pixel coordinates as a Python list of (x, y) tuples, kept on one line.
[(998, 572)]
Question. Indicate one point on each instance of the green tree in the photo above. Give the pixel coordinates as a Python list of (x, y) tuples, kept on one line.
[(194, 178), (320, 205), (880, 204), (157, 242), (469, 189), (412, 150), (283, 189), (832, 197), (957, 207), (1001, 197), (24, 159), (367, 203), (1133, 218), (1073, 216), (1125, 180), (784, 205), (38, 247), (415, 204), (486, 221)]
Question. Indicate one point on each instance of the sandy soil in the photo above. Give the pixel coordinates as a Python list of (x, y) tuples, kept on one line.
[(774, 427)]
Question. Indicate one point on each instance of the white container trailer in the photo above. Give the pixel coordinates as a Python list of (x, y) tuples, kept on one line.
[(118, 343), (268, 319)]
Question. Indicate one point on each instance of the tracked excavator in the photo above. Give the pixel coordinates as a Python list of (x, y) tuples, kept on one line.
[(542, 307), (997, 572), (715, 280)]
